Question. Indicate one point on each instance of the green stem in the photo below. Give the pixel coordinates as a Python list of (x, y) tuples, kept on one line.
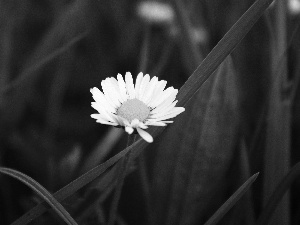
[(123, 166)]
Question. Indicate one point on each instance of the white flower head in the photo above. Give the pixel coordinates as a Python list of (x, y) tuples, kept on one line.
[(156, 12), (135, 106), (294, 7)]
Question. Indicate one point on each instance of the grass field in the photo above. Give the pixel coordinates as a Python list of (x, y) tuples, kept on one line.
[(236, 65)]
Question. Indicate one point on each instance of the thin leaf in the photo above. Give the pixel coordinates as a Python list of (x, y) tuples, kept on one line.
[(42, 192), (278, 130), (277, 195), (231, 201), (243, 211), (225, 46)]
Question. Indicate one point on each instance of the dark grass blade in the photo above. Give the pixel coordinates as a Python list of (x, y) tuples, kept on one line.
[(277, 195), (216, 143), (278, 135), (225, 46), (199, 146), (231, 201), (206, 68), (42, 192), (243, 211)]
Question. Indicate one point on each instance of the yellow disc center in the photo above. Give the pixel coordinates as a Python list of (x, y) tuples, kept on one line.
[(133, 109)]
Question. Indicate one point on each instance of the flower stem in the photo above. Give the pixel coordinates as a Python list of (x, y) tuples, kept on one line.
[(123, 166)]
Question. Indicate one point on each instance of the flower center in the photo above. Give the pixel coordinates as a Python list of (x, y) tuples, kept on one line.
[(133, 109)]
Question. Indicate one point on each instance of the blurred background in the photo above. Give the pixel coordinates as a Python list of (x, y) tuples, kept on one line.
[(53, 52)]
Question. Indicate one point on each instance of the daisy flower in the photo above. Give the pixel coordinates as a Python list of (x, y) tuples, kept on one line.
[(135, 107)]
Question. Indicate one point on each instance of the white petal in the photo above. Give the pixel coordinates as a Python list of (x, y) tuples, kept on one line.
[(163, 121), (112, 92), (116, 88), (138, 81), (157, 93), (125, 121), (171, 114), (106, 90), (120, 121), (106, 123), (156, 123), (142, 125), (146, 136), (135, 123), (144, 86), (129, 85), (129, 130), (164, 111), (148, 96), (99, 119), (155, 120), (167, 103), (122, 87), (100, 99), (169, 91), (103, 112), (99, 116)]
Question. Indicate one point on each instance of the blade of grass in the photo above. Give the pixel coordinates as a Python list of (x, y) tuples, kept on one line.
[(225, 46), (278, 136), (277, 195), (243, 211), (42, 192), (206, 68), (231, 201), (205, 148)]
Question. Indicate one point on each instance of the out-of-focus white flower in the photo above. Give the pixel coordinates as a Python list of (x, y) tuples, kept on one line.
[(135, 106), (155, 12), (294, 7)]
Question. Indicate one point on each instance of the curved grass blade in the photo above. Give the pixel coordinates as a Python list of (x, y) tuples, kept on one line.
[(72, 187), (42, 192), (206, 68), (231, 201)]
